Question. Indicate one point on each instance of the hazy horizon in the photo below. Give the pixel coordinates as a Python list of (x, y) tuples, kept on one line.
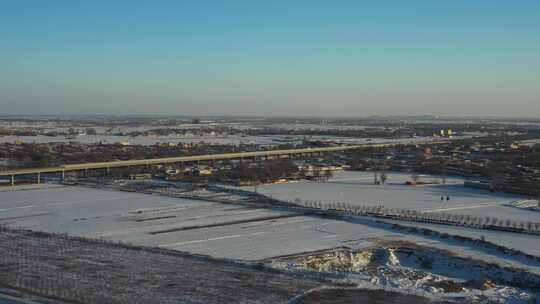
[(245, 58)]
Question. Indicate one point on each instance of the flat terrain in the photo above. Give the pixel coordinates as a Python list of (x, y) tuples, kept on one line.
[(267, 140), (357, 188), (87, 271), (234, 231), (135, 218), (221, 230)]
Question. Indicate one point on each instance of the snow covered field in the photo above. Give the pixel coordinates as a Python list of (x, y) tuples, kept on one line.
[(133, 217), (268, 140), (104, 134), (117, 215), (357, 188)]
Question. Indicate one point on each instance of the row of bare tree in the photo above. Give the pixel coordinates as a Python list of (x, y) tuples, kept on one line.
[(453, 219)]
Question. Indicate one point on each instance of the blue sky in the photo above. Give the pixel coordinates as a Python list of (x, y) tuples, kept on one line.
[(335, 58)]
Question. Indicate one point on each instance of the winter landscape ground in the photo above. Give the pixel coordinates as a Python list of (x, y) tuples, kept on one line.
[(428, 260)]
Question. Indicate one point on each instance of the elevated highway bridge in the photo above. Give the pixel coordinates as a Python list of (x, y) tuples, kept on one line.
[(12, 174)]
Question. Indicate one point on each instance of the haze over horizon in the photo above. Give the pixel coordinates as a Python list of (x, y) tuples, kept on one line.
[(315, 58)]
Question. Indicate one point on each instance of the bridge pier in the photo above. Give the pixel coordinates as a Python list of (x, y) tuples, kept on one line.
[(13, 181)]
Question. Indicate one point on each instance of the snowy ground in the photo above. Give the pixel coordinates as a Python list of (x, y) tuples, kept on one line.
[(357, 188), (114, 215), (132, 217), (104, 134), (224, 140), (433, 273)]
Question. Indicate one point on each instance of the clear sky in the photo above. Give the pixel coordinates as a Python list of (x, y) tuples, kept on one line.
[(273, 57)]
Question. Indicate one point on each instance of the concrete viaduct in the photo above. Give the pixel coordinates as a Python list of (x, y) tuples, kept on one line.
[(12, 174)]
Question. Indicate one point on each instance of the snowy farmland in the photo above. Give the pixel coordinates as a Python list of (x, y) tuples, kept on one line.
[(222, 230), (132, 217), (357, 188), (244, 232), (226, 139)]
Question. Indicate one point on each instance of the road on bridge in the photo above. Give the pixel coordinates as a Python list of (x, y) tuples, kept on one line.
[(193, 158)]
